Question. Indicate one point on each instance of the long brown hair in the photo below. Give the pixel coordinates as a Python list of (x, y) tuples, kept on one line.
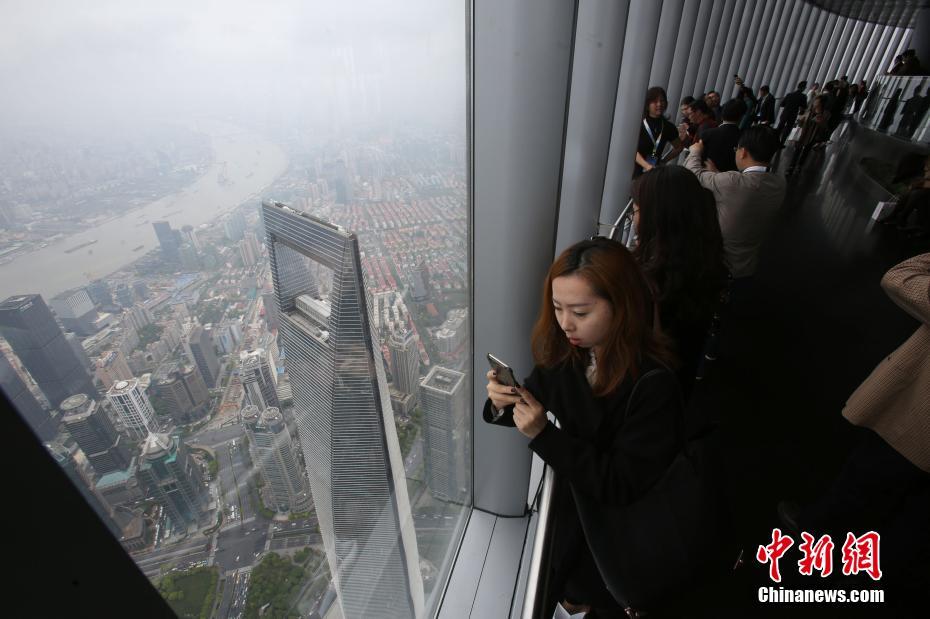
[(613, 274)]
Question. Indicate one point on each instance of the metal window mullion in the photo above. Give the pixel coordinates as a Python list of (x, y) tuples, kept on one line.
[(722, 37), (805, 60), (759, 76), (634, 78), (697, 45), (792, 43), (828, 42), (599, 33), (717, 81), (853, 47), (749, 54), (676, 77), (878, 53), (841, 48), (863, 51), (739, 48), (521, 64), (666, 42), (707, 54)]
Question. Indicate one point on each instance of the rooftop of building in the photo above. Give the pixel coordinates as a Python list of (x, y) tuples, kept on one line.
[(443, 379)]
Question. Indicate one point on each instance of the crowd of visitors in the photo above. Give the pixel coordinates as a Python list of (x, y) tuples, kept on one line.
[(622, 336)]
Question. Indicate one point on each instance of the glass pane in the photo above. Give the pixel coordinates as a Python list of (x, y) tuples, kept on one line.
[(234, 290)]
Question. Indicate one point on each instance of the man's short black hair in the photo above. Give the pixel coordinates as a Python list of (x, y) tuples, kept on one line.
[(698, 105), (686, 101), (802, 85), (733, 110), (765, 88), (761, 141)]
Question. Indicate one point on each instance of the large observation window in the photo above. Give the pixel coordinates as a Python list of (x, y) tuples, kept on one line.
[(235, 290)]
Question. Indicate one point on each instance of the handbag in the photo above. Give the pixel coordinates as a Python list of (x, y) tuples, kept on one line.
[(666, 540)]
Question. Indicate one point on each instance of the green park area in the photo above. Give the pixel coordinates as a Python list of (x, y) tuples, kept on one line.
[(191, 593), (275, 584)]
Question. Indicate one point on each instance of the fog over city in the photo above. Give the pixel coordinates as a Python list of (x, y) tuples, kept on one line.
[(111, 64)]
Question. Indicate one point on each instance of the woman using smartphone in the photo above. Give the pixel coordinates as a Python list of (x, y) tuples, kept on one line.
[(594, 340)]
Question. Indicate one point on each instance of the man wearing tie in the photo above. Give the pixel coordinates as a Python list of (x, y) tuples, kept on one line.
[(765, 108)]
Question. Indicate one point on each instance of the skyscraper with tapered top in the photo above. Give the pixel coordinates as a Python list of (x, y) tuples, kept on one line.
[(344, 416)]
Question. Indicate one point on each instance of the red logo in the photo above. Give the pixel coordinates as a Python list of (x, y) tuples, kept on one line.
[(860, 554), (773, 552)]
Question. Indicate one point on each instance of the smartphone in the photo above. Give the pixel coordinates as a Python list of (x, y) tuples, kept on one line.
[(504, 372)]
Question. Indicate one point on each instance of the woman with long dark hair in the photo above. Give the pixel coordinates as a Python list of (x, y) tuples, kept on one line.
[(655, 133), (680, 249), (593, 343)]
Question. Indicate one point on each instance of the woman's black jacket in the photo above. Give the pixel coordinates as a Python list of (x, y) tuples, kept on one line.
[(603, 452)]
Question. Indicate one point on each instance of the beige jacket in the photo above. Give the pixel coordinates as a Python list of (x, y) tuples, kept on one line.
[(746, 206), (895, 399)]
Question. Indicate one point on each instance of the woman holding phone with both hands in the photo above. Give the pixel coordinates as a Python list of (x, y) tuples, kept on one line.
[(593, 341)]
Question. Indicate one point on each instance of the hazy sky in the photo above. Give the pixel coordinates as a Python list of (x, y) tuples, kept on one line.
[(328, 64)]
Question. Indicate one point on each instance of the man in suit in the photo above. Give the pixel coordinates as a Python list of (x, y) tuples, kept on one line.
[(791, 106), (701, 120), (765, 108), (747, 200), (712, 99), (720, 143)]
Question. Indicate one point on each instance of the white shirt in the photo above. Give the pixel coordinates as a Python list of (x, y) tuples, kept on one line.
[(755, 168)]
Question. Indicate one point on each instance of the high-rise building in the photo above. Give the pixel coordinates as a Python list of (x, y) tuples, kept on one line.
[(181, 390), (64, 458), (140, 289), (234, 226), (344, 417), (199, 347), (271, 309), (247, 253), (78, 347), (91, 429), (443, 398), (43, 425), (257, 377), (99, 291), (405, 361), (138, 316), (38, 341), (274, 453), (111, 367), (169, 240), (133, 407), (167, 472), (75, 310), (124, 295), (189, 235)]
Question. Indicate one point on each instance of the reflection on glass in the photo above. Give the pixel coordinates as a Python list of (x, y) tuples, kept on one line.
[(272, 421)]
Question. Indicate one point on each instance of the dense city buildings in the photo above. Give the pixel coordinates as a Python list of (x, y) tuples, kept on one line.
[(29, 327), (129, 400), (444, 400), (91, 429), (344, 417), (257, 376), (199, 347), (275, 454), (44, 425), (65, 459), (169, 474)]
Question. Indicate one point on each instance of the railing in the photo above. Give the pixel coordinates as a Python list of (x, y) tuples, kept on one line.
[(883, 107), (535, 589), (622, 230)]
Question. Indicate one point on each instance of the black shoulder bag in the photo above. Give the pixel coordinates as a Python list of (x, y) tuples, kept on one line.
[(665, 541)]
